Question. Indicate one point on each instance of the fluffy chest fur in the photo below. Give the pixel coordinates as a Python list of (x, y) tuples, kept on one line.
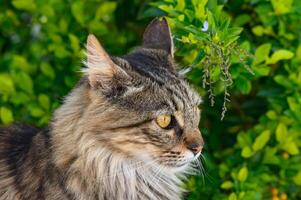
[(114, 178)]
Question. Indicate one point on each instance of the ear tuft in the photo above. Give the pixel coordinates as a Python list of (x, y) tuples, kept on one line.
[(158, 36), (95, 52)]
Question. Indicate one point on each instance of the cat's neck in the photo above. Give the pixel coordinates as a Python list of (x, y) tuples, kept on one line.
[(92, 171)]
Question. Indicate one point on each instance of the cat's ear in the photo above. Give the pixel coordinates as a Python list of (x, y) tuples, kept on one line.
[(100, 68), (158, 36)]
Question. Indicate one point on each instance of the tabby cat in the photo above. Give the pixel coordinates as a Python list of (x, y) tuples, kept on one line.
[(127, 131)]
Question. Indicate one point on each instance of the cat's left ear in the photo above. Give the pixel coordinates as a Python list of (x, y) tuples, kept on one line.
[(158, 36)]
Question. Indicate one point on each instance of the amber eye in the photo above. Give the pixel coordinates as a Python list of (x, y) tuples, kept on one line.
[(163, 120)]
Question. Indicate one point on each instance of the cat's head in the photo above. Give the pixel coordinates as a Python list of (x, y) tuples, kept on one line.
[(140, 106)]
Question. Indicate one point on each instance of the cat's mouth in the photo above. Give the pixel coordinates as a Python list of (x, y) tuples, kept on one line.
[(179, 164)]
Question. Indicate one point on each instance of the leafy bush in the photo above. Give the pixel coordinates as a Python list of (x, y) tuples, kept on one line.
[(250, 50)]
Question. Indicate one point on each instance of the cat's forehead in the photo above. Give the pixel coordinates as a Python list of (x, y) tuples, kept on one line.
[(161, 86), (152, 63)]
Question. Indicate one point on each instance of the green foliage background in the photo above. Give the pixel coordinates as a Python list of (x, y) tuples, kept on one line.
[(253, 153)]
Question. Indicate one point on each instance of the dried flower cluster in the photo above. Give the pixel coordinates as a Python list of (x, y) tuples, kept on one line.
[(219, 57)]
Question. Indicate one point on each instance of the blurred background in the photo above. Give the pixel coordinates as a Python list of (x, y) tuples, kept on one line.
[(242, 56)]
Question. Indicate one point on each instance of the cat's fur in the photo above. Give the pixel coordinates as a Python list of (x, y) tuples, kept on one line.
[(104, 142)]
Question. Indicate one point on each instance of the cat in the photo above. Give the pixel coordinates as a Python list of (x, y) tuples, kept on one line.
[(127, 131)]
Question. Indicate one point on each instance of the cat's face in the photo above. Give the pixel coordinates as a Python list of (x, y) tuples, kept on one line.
[(140, 106)]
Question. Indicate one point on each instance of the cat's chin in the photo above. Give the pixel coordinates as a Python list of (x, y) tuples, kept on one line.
[(178, 168)]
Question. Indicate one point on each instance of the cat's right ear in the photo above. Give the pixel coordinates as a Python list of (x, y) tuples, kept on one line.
[(158, 36), (100, 68)]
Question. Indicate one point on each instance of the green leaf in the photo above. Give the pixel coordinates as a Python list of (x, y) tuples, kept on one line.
[(297, 178), (227, 185), (44, 101), (261, 140), (180, 5), (282, 6), (47, 70), (270, 157), (200, 9), (44, 120), (244, 139), (293, 105), (74, 42), (290, 146), (47, 10), (28, 5), (60, 51), (230, 35), (20, 62), (247, 152), (242, 19), (261, 70), (6, 115), (281, 133), (105, 10), (166, 8), (282, 80), (20, 98), (24, 82), (36, 112), (77, 9), (243, 174), (271, 114), (243, 85), (199, 57), (262, 53), (258, 30), (6, 84), (232, 196), (281, 54)]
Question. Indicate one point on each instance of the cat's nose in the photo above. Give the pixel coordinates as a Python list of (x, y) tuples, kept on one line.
[(194, 141), (195, 148)]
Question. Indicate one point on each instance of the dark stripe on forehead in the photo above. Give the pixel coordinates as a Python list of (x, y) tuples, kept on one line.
[(151, 66), (174, 92), (186, 94), (174, 103), (172, 99), (187, 90)]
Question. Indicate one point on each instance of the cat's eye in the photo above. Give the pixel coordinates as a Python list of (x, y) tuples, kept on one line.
[(163, 120)]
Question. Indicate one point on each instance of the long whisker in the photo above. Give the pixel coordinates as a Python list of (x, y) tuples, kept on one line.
[(204, 172)]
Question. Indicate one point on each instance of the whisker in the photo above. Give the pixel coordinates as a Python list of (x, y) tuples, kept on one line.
[(206, 174)]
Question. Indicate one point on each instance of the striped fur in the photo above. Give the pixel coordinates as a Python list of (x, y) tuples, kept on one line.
[(104, 142)]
